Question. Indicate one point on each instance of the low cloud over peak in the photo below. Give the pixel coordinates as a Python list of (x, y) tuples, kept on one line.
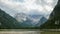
[(15, 6)]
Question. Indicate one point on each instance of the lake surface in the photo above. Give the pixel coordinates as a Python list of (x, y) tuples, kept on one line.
[(19, 31), (29, 31)]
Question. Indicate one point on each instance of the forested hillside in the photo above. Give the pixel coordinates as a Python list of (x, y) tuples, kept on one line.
[(6, 21), (54, 20)]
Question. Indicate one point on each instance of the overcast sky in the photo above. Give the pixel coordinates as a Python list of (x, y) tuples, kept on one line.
[(12, 7)]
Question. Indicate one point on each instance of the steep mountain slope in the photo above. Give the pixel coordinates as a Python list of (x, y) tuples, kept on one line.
[(6, 21), (42, 21), (54, 20), (30, 20)]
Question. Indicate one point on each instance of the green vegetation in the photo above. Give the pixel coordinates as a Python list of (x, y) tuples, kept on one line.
[(50, 32), (8, 22)]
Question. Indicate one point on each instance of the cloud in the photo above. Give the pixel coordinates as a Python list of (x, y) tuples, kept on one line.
[(15, 6)]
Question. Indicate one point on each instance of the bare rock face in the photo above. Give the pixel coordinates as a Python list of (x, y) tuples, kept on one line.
[(54, 20), (20, 17), (28, 20)]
